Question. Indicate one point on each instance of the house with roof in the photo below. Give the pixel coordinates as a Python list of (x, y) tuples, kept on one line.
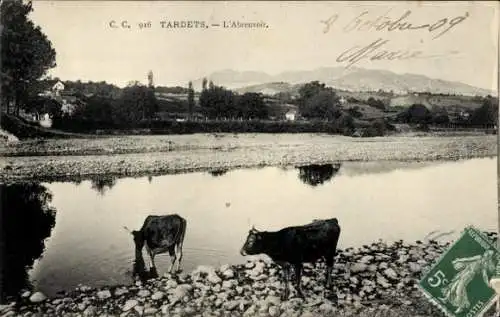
[(291, 115), (57, 88)]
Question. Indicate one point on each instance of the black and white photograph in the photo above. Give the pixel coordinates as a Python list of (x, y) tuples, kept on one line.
[(249, 158)]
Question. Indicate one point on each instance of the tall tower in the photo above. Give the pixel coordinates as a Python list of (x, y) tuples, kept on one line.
[(150, 79)]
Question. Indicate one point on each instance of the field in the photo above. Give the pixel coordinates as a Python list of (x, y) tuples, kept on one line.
[(154, 155)]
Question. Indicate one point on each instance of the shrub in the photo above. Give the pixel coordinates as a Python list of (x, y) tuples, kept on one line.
[(377, 128), (376, 103)]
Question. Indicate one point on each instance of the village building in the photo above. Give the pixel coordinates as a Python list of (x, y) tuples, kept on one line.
[(291, 115)]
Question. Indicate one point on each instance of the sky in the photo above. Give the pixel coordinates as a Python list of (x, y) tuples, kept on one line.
[(88, 48)]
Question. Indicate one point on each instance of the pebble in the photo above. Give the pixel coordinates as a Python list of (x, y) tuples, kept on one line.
[(390, 273), (139, 309), (359, 267), (143, 293), (90, 311), (104, 294), (120, 291), (228, 273), (366, 259), (150, 311), (171, 284), (129, 304), (414, 267), (249, 265), (37, 297), (231, 305), (157, 295), (274, 311)]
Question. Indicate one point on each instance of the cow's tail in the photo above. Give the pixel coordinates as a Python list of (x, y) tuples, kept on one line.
[(179, 239)]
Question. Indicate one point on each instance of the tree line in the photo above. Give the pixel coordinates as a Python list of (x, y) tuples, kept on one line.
[(217, 102)]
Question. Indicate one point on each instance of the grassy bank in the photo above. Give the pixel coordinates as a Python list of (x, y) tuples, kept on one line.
[(375, 280), (125, 156)]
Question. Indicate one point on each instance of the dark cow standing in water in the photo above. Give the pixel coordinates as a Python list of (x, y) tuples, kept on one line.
[(161, 234), (297, 245)]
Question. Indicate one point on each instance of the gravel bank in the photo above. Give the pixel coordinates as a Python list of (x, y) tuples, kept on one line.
[(138, 156), (375, 280)]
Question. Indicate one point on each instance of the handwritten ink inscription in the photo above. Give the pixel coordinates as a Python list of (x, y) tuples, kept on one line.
[(377, 50)]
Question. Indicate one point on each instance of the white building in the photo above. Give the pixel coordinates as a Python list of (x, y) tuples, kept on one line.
[(291, 115), (57, 88), (46, 121)]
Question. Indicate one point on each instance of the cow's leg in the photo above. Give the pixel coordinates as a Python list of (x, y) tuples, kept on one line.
[(152, 256), (179, 250), (285, 274), (298, 276), (328, 283), (329, 268), (171, 251)]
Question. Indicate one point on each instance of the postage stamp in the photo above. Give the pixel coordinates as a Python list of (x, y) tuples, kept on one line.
[(459, 282)]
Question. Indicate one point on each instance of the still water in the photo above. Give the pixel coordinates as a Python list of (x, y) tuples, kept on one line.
[(68, 233)]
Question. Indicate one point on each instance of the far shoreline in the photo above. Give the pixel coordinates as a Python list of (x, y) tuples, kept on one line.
[(135, 156)]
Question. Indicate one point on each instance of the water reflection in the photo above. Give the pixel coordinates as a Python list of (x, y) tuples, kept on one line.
[(102, 183), (27, 220), (217, 173), (315, 175)]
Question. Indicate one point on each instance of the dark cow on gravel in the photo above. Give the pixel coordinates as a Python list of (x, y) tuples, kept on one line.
[(297, 245), (161, 234)]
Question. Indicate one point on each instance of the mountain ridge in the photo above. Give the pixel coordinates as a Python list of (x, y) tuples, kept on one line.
[(353, 79)]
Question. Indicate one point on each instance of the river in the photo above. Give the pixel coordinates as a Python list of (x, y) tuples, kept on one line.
[(62, 234)]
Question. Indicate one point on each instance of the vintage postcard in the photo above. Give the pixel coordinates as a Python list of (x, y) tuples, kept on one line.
[(249, 158)]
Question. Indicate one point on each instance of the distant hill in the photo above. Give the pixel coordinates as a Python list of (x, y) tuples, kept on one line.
[(270, 88), (354, 79)]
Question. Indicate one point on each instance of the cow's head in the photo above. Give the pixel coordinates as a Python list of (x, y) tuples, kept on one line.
[(138, 239), (254, 244)]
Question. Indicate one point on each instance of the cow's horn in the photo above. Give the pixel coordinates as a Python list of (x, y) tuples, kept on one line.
[(128, 230)]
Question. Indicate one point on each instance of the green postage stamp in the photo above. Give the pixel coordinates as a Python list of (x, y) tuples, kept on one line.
[(459, 282)]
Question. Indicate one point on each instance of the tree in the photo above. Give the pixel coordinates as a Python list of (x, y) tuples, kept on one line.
[(318, 101), (96, 109), (136, 103), (217, 102), (322, 105), (440, 116), (416, 113), (251, 105), (204, 84), (190, 99), (377, 103), (487, 114), (27, 54), (377, 128)]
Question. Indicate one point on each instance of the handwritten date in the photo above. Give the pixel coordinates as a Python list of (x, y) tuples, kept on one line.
[(384, 23)]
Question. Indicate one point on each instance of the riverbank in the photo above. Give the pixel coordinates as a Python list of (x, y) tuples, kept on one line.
[(375, 280), (48, 160)]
